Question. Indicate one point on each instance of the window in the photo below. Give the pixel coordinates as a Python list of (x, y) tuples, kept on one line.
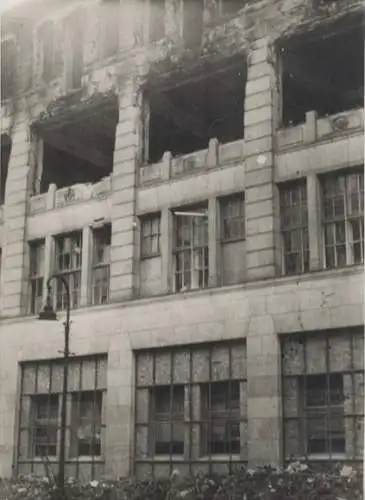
[(343, 218), (8, 67), (150, 236), (168, 420), (68, 264), (324, 413), (190, 405), (40, 408), (323, 395), (101, 265), (86, 423), (36, 275), (233, 217), (45, 425), (4, 165), (294, 227), (191, 249), (157, 20), (221, 410)]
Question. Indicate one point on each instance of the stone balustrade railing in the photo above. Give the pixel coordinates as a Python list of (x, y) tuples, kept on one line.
[(78, 193), (169, 167), (320, 129)]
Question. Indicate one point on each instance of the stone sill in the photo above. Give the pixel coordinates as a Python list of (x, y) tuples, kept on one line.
[(167, 297), (316, 129)]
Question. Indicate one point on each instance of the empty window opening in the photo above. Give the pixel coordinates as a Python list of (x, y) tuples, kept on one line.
[(36, 275), (101, 265), (4, 165), (78, 151), (229, 7), (68, 266), (325, 75), (184, 118)]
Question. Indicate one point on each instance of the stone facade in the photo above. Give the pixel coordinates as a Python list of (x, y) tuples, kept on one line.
[(143, 312)]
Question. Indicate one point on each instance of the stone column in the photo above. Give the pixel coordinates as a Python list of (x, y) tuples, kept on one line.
[(87, 255), (122, 271), (15, 213), (314, 223), (261, 117), (263, 393)]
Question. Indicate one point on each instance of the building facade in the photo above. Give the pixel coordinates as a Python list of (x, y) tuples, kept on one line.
[(194, 170)]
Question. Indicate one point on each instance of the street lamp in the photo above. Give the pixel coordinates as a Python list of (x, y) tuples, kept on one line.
[(48, 314)]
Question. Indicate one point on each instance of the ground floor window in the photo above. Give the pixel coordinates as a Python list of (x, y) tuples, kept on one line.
[(323, 395), (191, 409), (40, 416)]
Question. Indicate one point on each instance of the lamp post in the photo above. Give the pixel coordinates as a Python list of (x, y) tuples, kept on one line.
[(48, 314)]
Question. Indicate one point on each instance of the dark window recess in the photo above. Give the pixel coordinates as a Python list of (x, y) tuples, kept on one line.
[(8, 65), (221, 410), (81, 150), (192, 22), (168, 420), (45, 425), (157, 20), (184, 118), (325, 74), (229, 7), (4, 165)]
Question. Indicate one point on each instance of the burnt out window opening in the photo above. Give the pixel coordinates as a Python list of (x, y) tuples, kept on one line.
[(101, 265), (79, 150), (190, 404), (8, 67), (36, 275), (183, 119), (325, 74), (294, 227), (68, 264), (4, 165), (150, 235), (323, 395), (191, 250), (343, 218), (40, 415)]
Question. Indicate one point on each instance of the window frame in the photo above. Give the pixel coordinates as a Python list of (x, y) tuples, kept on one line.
[(149, 375), (36, 274), (347, 219), (71, 274), (296, 368), (42, 380), (299, 231), (101, 237), (152, 222), (227, 205), (198, 275)]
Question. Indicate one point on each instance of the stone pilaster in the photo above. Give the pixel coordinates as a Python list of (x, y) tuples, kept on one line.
[(123, 248), (263, 393), (261, 115), (15, 212)]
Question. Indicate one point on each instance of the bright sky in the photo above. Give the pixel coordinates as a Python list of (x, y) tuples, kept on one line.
[(6, 4)]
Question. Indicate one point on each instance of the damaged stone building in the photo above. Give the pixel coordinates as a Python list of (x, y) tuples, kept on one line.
[(194, 170)]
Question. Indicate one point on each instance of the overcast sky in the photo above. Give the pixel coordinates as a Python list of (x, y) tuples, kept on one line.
[(5, 4)]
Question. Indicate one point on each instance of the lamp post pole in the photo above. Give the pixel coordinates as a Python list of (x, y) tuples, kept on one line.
[(47, 314)]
